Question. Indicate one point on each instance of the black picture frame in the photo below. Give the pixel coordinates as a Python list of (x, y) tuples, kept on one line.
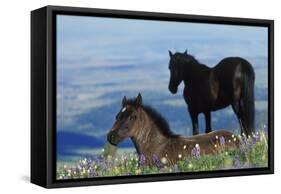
[(43, 95)]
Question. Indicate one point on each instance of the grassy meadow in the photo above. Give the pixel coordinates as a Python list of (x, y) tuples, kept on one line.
[(252, 153)]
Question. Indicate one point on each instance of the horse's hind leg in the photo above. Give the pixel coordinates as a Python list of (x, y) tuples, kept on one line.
[(236, 106), (208, 122), (194, 119)]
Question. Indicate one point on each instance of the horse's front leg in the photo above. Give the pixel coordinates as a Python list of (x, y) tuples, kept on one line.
[(194, 119), (208, 122)]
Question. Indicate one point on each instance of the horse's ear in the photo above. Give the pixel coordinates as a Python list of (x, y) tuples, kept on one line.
[(170, 53), (138, 100), (185, 52), (124, 101)]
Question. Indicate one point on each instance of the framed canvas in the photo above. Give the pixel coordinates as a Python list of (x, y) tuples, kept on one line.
[(125, 96)]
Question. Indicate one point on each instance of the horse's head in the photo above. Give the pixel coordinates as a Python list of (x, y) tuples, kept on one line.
[(175, 67), (126, 120)]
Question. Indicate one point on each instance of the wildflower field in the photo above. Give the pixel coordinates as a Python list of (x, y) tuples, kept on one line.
[(252, 153)]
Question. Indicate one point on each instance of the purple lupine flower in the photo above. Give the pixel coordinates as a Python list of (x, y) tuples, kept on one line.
[(244, 140), (176, 168), (237, 162), (141, 159), (251, 142), (65, 177), (92, 172), (256, 137), (242, 147), (84, 163), (103, 166), (89, 161), (195, 152), (156, 161), (154, 157), (222, 140), (243, 144)]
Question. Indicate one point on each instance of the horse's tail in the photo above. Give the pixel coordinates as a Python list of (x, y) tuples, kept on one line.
[(249, 101)]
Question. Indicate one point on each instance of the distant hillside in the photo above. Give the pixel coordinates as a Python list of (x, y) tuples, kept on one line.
[(68, 140)]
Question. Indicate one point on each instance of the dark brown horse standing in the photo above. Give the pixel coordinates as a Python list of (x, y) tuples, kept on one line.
[(230, 82), (152, 136)]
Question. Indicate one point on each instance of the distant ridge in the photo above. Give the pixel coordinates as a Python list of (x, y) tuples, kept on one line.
[(67, 140)]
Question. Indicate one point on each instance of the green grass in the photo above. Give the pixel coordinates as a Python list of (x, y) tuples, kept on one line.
[(253, 153)]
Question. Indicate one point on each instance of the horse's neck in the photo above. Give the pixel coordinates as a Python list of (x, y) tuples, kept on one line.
[(147, 135), (194, 72)]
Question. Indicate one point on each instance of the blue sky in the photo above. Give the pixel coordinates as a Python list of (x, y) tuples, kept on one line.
[(97, 41), (99, 60)]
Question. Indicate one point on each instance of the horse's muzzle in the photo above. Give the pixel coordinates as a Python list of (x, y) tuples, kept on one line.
[(173, 90), (111, 138)]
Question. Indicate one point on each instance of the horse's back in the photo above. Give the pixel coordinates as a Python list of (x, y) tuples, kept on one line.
[(229, 65), (208, 141), (213, 134)]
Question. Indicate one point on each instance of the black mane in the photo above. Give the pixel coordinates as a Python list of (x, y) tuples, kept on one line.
[(186, 57), (158, 119)]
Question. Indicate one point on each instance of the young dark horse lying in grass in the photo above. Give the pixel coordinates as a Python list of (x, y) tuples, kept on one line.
[(152, 136), (230, 82)]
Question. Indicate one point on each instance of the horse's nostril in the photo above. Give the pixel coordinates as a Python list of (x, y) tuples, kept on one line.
[(110, 137), (173, 90)]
